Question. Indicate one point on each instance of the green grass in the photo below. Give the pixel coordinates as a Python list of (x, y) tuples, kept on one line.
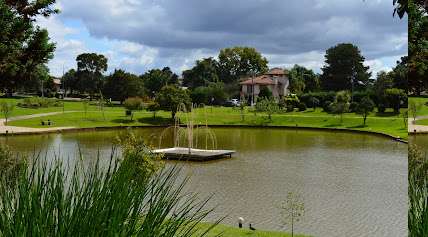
[(420, 100), (228, 231), (388, 122)]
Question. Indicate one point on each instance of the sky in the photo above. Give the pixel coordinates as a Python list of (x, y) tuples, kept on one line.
[(139, 35)]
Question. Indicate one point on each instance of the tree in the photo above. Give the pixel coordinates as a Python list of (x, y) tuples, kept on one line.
[(414, 108), (265, 93), (313, 102), (417, 61), (235, 63), (69, 80), (85, 105), (122, 85), (303, 80), (6, 109), (155, 79), (204, 72), (396, 98), (341, 103), (171, 97), (344, 69), (133, 104), (269, 106), (24, 46), (90, 69), (293, 210), (154, 107), (213, 94), (364, 108)]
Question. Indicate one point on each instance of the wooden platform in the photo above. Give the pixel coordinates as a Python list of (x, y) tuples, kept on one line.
[(182, 153)]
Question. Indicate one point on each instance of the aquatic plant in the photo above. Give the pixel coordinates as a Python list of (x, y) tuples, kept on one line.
[(418, 193), (50, 198)]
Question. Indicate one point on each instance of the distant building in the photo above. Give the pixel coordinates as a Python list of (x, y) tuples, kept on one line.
[(57, 84), (276, 80)]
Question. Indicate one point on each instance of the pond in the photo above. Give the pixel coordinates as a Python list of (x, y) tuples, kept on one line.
[(352, 184)]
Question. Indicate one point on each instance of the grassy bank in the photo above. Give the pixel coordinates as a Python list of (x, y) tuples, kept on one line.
[(228, 231), (388, 122), (420, 100)]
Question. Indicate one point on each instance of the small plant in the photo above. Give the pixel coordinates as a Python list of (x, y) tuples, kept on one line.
[(154, 107), (85, 104), (364, 108), (405, 116), (341, 104), (293, 210), (414, 108), (242, 106), (133, 104), (6, 109), (301, 107)]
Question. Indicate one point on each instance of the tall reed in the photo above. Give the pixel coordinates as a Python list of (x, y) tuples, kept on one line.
[(418, 193), (50, 200)]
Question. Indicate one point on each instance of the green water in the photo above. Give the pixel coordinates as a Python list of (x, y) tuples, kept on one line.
[(352, 184)]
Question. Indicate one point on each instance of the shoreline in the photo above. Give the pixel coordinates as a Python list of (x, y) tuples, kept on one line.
[(74, 129)]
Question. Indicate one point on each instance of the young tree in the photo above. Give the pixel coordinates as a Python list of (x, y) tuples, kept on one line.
[(85, 105), (171, 97), (396, 98), (341, 103), (133, 104), (414, 107), (364, 108), (344, 69), (154, 107), (6, 109), (293, 210), (268, 106)]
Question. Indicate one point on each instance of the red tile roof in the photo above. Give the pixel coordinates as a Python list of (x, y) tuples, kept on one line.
[(261, 80), (277, 72)]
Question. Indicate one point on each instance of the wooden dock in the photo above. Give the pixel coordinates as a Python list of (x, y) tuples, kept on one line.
[(182, 153)]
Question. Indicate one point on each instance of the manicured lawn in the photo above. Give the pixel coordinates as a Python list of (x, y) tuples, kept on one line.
[(115, 116), (421, 100), (227, 231)]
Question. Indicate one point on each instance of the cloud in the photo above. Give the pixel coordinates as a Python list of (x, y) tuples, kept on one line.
[(173, 33)]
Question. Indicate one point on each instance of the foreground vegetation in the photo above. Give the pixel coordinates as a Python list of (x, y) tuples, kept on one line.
[(418, 193), (133, 196)]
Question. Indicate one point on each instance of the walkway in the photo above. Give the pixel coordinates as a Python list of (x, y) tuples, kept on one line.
[(13, 129), (414, 128)]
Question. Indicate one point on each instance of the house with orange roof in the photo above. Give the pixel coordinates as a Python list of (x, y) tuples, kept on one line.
[(276, 80)]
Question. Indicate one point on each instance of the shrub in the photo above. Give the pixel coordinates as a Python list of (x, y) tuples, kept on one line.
[(327, 106), (353, 107), (302, 106), (381, 108), (265, 93), (290, 107), (133, 104), (38, 102)]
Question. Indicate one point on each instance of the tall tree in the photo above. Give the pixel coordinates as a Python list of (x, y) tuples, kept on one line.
[(303, 80), (204, 72), (418, 47), (90, 69), (122, 85), (344, 69), (69, 80), (155, 79), (238, 62), (23, 45)]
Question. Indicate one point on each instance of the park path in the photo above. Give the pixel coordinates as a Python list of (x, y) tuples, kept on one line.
[(14, 130), (414, 128)]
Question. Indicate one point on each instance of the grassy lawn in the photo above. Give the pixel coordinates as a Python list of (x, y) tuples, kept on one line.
[(115, 116), (228, 231), (421, 100)]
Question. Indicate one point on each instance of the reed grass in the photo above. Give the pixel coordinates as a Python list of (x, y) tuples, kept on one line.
[(418, 193), (49, 198)]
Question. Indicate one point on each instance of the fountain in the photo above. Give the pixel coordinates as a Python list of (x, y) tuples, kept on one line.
[(186, 139)]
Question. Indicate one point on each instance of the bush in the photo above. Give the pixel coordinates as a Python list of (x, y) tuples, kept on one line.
[(353, 107), (133, 104), (265, 93), (38, 102), (322, 97), (290, 108), (381, 108), (327, 106), (302, 106)]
